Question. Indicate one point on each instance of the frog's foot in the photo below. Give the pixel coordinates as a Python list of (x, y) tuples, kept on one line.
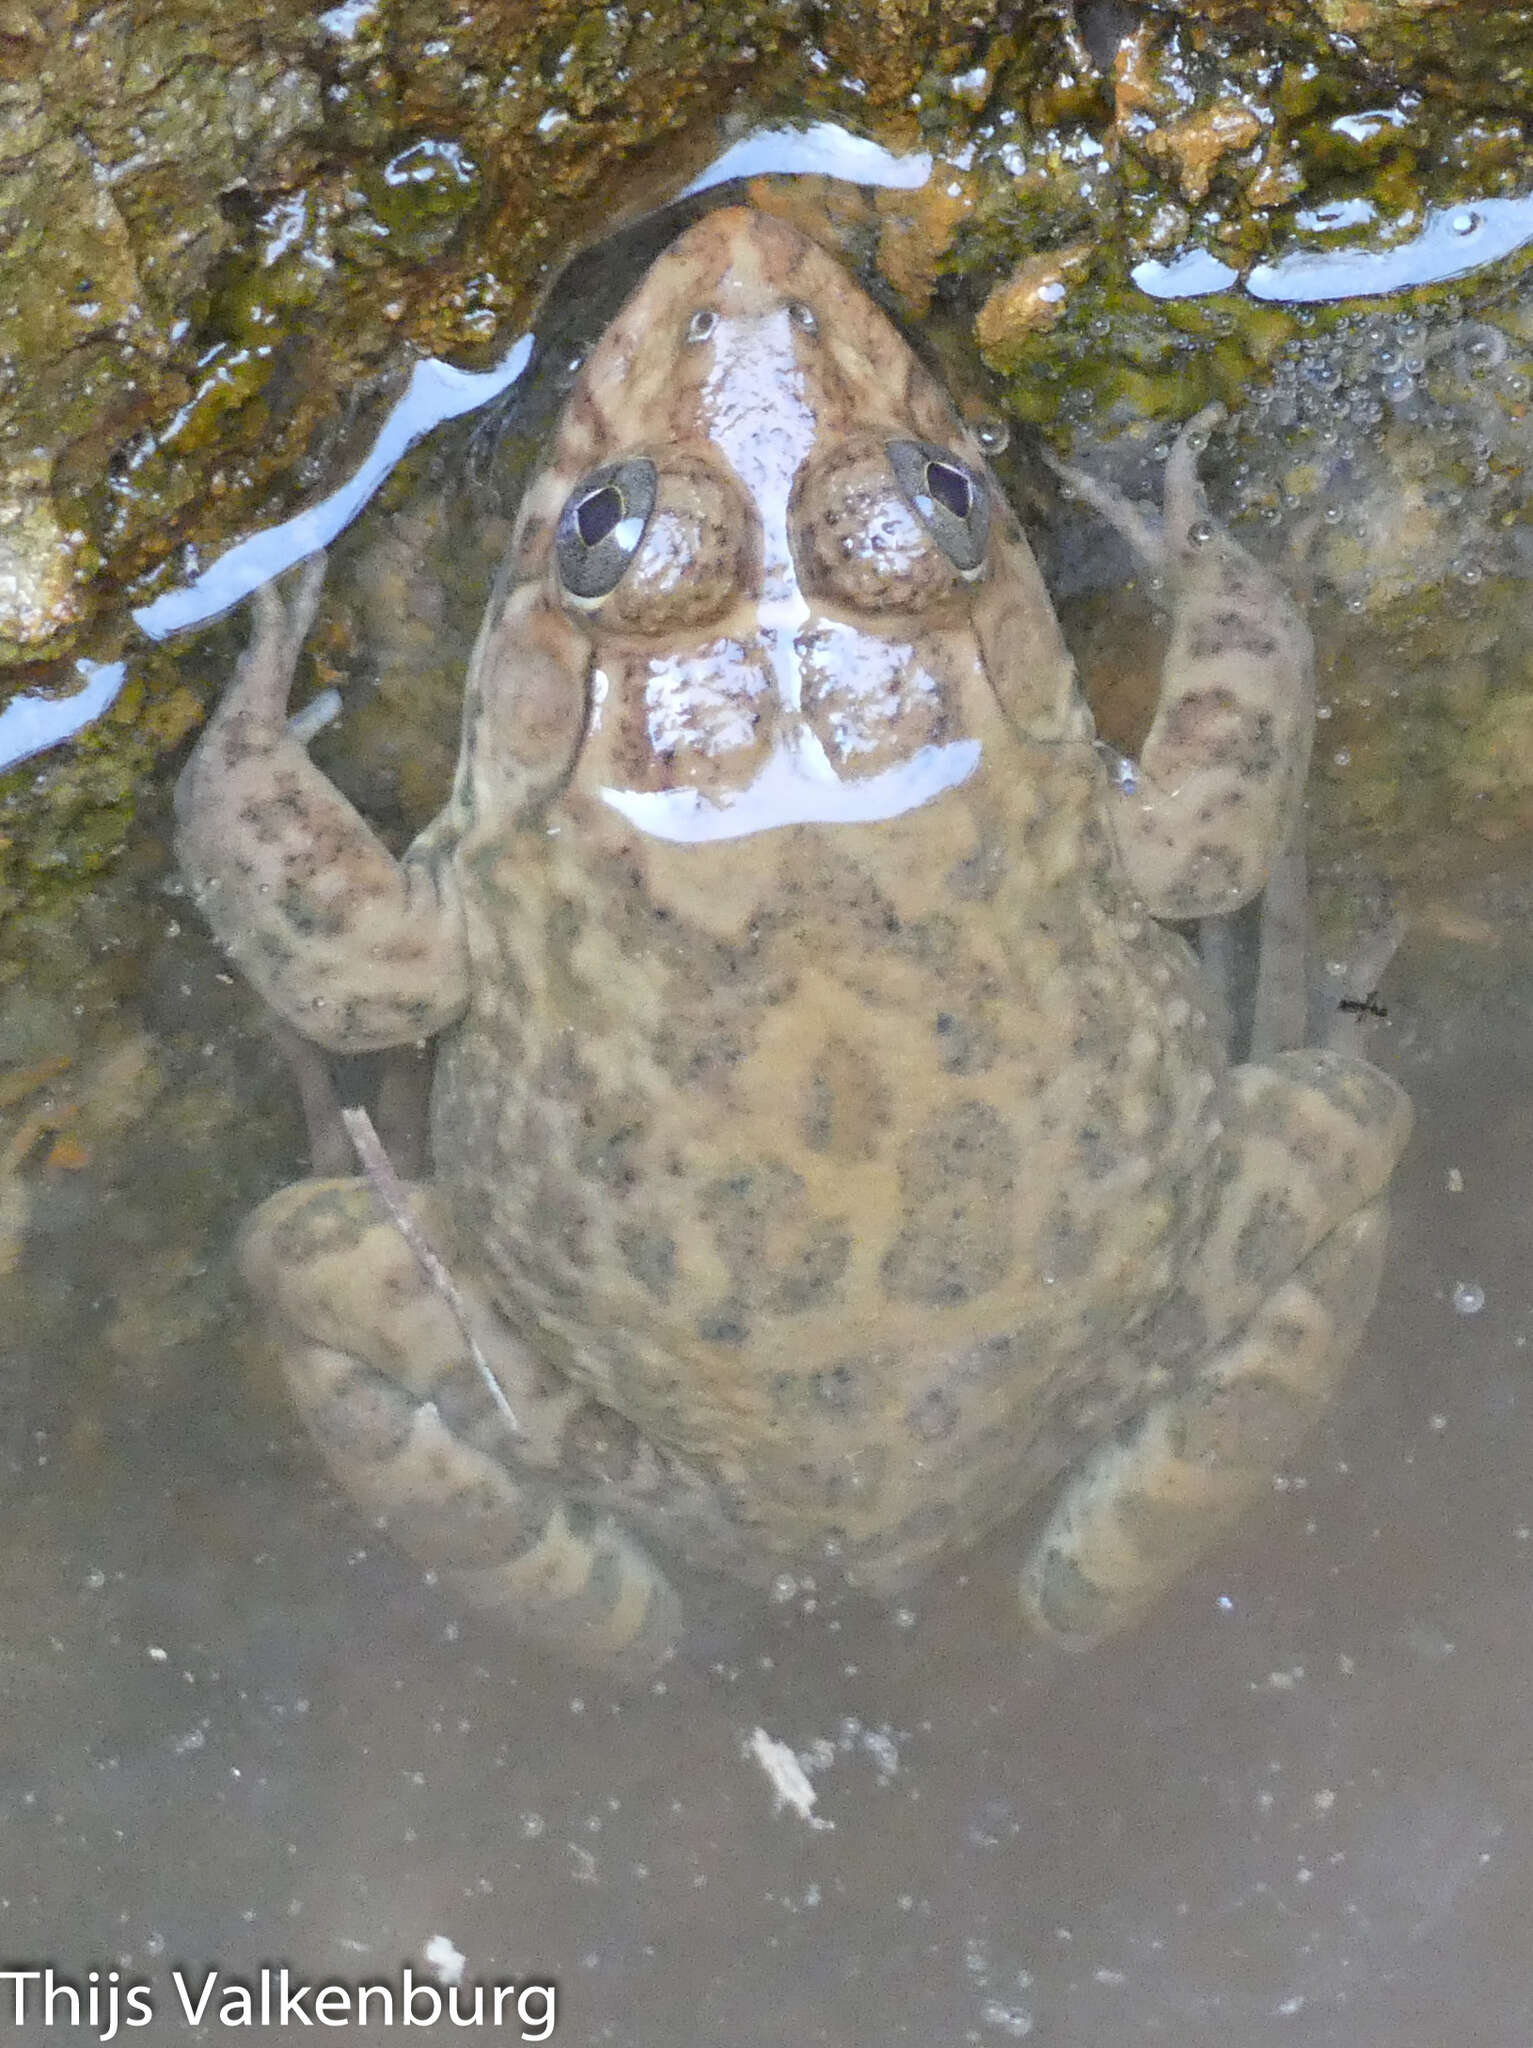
[(1315, 1138), (265, 671), (1222, 769), (386, 1379), (1186, 507), (355, 950)]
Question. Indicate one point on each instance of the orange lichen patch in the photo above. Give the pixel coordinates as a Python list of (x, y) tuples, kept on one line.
[(1278, 179), (1029, 301), (1156, 111), (1195, 147), (1140, 91), (67, 1153)]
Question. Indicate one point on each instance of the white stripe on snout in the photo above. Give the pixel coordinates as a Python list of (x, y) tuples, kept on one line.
[(759, 419)]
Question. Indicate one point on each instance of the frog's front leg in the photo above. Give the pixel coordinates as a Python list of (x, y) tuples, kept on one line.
[(1221, 773), (355, 949), (513, 1519), (1250, 1347)]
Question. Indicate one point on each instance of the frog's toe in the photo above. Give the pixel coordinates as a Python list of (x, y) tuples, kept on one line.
[(382, 1372), (499, 1540), (1139, 525), (1184, 500)]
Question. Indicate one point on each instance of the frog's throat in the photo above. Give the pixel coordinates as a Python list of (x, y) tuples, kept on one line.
[(797, 786)]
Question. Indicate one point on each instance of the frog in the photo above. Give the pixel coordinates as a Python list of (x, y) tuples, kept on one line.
[(834, 1160)]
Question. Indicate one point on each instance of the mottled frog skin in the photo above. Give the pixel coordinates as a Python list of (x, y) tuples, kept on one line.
[(831, 1149)]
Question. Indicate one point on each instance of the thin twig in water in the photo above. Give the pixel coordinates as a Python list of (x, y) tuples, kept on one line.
[(389, 1188)]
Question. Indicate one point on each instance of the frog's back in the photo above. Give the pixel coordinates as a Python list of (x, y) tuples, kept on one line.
[(810, 1144)]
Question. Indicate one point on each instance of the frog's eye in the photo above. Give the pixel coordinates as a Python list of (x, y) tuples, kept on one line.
[(951, 502), (601, 526)]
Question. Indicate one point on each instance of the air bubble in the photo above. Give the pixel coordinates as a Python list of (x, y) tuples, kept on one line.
[(1014, 2021), (1468, 1297), (784, 1588)]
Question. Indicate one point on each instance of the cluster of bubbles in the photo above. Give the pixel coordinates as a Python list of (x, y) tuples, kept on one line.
[(1413, 406)]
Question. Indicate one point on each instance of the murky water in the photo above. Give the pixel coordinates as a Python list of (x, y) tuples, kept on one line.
[(1295, 1806)]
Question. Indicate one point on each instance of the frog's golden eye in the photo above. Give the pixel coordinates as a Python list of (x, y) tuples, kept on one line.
[(601, 526), (947, 497)]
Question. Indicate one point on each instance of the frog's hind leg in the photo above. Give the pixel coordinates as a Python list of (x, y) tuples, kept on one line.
[(386, 1380), (1288, 1274)]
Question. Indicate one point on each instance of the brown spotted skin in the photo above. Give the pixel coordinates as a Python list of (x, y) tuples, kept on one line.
[(833, 1149)]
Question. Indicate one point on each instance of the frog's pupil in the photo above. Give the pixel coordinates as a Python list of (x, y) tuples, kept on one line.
[(949, 487), (596, 516)]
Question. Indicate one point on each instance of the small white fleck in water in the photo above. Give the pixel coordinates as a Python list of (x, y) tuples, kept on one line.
[(790, 1784), (1469, 1297), (1015, 2021), (446, 1960)]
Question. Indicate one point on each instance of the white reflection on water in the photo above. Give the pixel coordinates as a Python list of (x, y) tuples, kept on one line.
[(1453, 241), (30, 725)]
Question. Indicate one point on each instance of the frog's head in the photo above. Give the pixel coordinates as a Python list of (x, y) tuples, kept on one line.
[(795, 575)]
